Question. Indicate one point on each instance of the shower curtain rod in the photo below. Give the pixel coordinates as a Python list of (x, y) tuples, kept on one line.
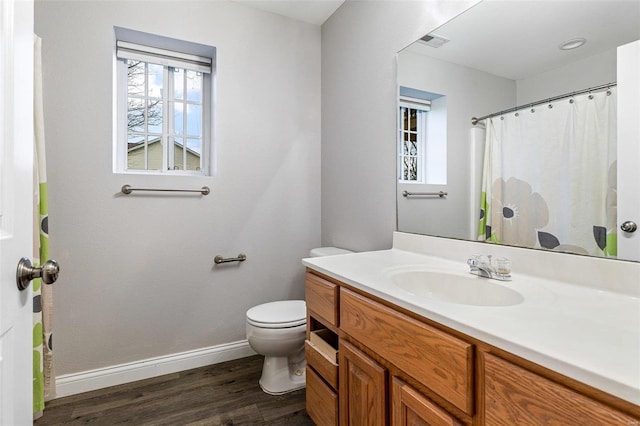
[(475, 120)]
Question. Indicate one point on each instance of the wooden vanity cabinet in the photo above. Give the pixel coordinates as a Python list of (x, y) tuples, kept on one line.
[(393, 368)]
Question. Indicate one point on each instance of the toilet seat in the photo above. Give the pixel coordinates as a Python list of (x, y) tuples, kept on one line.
[(281, 314)]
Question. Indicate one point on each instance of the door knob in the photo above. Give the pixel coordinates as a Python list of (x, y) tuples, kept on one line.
[(629, 226), (26, 272)]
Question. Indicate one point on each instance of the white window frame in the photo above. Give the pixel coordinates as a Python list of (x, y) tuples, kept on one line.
[(168, 59), (423, 107)]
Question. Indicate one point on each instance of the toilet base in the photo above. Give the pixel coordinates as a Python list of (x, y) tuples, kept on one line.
[(281, 375)]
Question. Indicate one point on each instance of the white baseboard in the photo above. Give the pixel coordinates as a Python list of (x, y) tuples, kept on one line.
[(71, 384)]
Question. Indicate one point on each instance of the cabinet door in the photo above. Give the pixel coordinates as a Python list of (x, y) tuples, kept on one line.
[(363, 388), (409, 407), (515, 396)]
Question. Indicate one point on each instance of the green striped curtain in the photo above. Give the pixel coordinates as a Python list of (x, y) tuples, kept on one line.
[(43, 371)]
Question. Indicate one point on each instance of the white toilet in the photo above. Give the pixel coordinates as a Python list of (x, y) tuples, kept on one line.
[(277, 330)]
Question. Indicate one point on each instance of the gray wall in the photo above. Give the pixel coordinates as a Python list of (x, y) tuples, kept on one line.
[(359, 98), (137, 278)]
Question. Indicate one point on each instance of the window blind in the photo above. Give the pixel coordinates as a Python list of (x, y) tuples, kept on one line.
[(409, 102), (138, 52)]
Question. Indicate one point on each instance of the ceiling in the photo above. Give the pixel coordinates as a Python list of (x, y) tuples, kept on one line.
[(519, 39), (491, 34), (311, 11)]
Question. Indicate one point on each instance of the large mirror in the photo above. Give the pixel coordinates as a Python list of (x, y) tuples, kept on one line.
[(541, 77)]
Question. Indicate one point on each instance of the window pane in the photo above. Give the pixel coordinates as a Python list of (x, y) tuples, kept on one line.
[(413, 172), (135, 78), (194, 86), (135, 152), (178, 117), (413, 125), (155, 81), (405, 168), (154, 153), (178, 154), (178, 83), (194, 120), (194, 151), (409, 169), (154, 119), (135, 115)]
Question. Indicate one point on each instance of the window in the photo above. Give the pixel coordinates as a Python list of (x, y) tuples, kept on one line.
[(412, 141), (164, 102), (422, 137)]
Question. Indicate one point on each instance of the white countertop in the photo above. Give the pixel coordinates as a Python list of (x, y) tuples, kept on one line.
[(588, 334)]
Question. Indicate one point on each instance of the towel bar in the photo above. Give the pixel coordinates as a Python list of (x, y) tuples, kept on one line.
[(440, 194), (219, 259), (128, 189)]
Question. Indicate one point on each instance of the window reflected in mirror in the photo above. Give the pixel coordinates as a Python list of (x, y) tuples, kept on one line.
[(422, 142)]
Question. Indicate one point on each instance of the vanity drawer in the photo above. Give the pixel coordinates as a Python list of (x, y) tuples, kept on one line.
[(441, 362), (322, 355), (322, 401), (327, 342), (322, 298)]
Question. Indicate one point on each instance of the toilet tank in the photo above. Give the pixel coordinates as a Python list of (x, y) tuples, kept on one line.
[(328, 251)]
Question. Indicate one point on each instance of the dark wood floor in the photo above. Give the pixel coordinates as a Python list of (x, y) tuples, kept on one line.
[(221, 394)]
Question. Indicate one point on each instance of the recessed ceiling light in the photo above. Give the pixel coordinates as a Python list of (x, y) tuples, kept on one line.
[(574, 43)]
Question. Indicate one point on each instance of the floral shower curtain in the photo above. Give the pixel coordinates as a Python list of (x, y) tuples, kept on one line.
[(43, 369), (549, 178)]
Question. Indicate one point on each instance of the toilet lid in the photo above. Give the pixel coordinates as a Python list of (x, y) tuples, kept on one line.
[(281, 314), (327, 251)]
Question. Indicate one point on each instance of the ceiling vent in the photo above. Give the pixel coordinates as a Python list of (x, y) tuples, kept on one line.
[(434, 40)]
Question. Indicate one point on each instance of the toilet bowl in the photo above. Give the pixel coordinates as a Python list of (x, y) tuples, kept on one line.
[(277, 330)]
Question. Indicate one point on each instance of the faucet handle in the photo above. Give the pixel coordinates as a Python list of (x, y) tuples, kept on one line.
[(503, 266), (473, 261)]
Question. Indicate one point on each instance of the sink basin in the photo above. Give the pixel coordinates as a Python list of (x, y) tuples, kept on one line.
[(463, 289)]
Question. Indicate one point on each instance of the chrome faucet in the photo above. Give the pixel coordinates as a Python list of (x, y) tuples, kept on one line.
[(483, 266)]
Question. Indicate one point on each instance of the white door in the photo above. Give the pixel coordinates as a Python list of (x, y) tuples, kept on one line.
[(16, 209), (629, 150)]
